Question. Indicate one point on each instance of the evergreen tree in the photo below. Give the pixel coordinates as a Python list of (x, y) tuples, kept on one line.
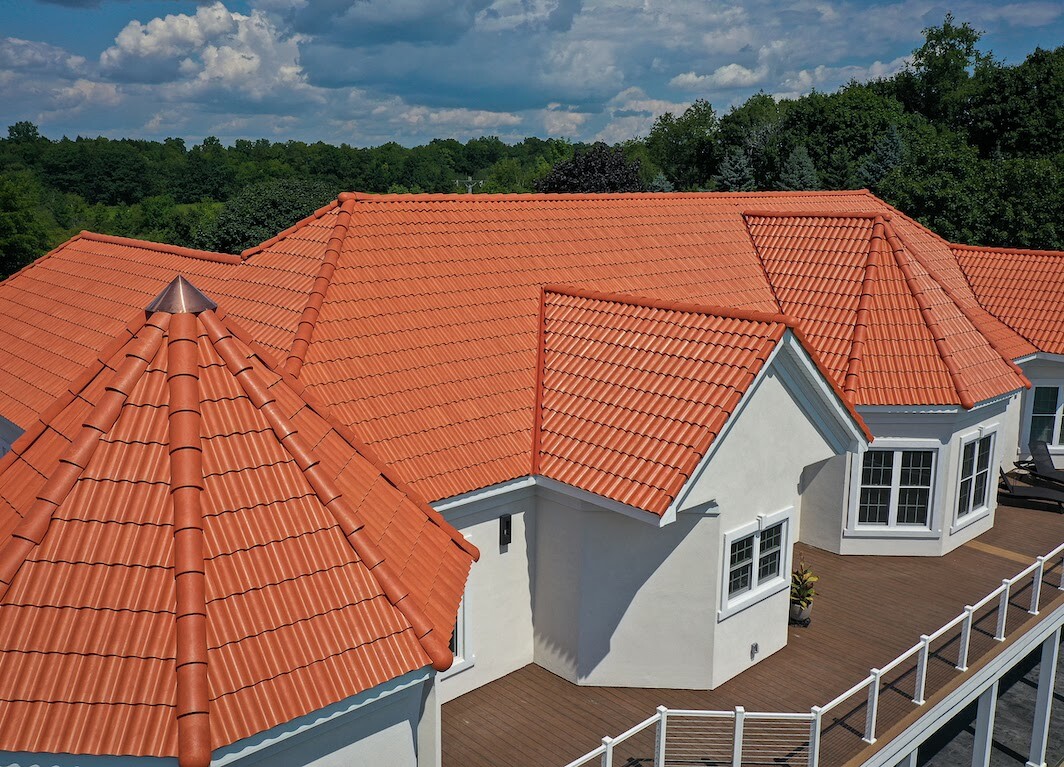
[(735, 173), (887, 154), (798, 172)]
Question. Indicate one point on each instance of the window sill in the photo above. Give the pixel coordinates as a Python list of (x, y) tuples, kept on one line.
[(969, 519), (751, 598), (885, 531), (459, 665)]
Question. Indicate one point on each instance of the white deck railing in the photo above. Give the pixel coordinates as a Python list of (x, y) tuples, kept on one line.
[(684, 737)]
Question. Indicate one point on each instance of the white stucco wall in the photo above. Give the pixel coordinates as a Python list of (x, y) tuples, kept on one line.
[(823, 491), (1044, 372), (945, 432), (498, 596), (620, 602)]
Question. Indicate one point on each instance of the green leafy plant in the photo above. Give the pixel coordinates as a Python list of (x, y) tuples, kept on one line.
[(802, 580)]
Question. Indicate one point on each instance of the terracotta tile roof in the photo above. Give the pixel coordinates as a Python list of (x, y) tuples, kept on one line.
[(191, 552), (887, 329), (634, 392), (415, 316), (56, 313), (1019, 287)]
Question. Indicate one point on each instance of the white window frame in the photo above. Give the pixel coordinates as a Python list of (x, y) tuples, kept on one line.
[(933, 528), (759, 591), (989, 430), (464, 656), (1028, 413)]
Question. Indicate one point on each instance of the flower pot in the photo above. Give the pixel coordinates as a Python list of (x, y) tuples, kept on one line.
[(801, 614)]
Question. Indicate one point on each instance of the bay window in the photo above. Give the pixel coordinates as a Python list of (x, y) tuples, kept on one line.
[(896, 488), (1047, 412), (976, 467)]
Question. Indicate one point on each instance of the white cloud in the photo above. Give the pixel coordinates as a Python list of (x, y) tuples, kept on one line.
[(728, 76), (468, 118), (85, 92), (30, 55)]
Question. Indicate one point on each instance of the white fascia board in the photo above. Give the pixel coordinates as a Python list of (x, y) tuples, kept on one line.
[(935, 409), (458, 506), (322, 719), (1040, 356), (34, 759)]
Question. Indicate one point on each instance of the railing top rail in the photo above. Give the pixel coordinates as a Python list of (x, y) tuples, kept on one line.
[(947, 627), (1055, 552), (902, 658), (1024, 573), (589, 755), (798, 716), (701, 713), (849, 693), (638, 728), (989, 597)]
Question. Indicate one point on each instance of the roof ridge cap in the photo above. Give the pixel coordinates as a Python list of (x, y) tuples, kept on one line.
[(324, 209), (32, 528), (728, 312), (1007, 251), (537, 405), (969, 315), (902, 258), (855, 358), (859, 214), (316, 298), (569, 196), (186, 489), (349, 521), (161, 247)]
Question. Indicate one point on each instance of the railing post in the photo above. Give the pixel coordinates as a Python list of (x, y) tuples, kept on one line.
[(873, 708), (966, 638), (814, 737), (737, 742), (1036, 584), (921, 669), (659, 743), (1003, 611), (1060, 586), (607, 757)]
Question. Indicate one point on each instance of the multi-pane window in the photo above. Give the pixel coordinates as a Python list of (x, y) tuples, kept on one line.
[(896, 487), (755, 559), (1047, 412), (975, 475)]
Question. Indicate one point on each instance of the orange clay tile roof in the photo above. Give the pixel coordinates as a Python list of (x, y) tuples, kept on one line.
[(886, 329), (191, 553), (415, 317), (634, 392), (1018, 287)]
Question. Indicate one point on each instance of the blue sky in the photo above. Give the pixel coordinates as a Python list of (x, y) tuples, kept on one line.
[(369, 71)]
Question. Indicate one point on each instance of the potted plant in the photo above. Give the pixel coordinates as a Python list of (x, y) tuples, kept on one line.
[(802, 593)]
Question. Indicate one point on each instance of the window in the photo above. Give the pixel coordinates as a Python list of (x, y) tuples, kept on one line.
[(896, 488), (757, 562), (1047, 411), (460, 646), (975, 475)]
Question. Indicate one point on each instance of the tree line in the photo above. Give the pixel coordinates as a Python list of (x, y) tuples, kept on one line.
[(970, 146)]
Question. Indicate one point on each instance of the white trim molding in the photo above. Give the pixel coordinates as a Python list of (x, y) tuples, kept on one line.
[(462, 643), (933, 527), (759, 590)]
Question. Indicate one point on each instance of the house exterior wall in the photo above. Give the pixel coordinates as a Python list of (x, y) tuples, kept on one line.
[(823, 491), (498, 596), (946, 433), (1041, 372), (620, 602)]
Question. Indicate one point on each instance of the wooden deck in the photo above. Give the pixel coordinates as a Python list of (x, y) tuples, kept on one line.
[(870, 610)]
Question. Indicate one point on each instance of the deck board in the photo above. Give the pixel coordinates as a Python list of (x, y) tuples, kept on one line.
[(869, 611)]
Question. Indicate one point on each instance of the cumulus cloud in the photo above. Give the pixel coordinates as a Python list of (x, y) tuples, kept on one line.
[(475, 118), (32, 56), (83, 92)]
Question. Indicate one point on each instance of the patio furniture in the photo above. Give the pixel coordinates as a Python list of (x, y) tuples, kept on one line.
[(1040, 466), (1010, 492)]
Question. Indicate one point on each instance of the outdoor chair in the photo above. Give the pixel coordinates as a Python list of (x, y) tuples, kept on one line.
[(1040, 467), (1010, 492)]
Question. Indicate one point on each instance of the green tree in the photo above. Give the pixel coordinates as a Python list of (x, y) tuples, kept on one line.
[(685, 147), (262, 210), (736, 174), (886, 155), (598, 168), (798, 172), (23, 234)]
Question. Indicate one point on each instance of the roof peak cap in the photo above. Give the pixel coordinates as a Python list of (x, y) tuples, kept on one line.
[(181, 297)]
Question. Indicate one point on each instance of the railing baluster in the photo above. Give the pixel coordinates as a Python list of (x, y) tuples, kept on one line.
[(814, 737), (1061, 586), (737, 741), (873, 708), (921, 669), (607, 757), (966, 638), (1036, 585), (1003, 611), (659, 742)]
